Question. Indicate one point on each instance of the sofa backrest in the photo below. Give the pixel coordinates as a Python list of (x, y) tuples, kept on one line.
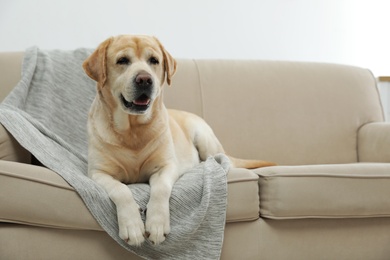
[(288, 112)]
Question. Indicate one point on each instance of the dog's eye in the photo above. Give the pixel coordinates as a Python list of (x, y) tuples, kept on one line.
[(123, 61), (153, 61)]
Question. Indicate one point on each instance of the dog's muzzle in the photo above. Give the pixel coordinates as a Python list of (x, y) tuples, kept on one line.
[(143, 84)]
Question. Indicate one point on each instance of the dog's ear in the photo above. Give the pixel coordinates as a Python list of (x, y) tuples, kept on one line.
[(95, 66), (169, 63)]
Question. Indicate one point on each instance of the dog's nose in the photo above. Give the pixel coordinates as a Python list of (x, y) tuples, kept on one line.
[(143, 79)]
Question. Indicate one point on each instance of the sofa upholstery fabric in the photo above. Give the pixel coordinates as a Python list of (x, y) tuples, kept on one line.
[(326, 199), (326, 191)]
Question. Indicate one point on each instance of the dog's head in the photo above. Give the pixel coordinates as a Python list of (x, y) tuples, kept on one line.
[(132, 69)]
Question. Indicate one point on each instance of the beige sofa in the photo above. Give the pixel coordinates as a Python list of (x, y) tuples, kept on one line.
[(329, 198)]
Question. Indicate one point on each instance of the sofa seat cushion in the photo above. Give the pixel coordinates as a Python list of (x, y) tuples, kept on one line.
[(325, 191), (37, 196), (243, 196)]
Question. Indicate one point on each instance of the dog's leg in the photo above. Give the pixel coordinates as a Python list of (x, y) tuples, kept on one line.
[(131, 227), (157, 215), (206, 142)]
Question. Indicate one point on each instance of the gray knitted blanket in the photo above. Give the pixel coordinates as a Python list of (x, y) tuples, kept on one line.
[(47, 113)]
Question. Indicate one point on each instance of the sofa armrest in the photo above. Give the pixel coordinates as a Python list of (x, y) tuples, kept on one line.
[(11, 150), (10, 71), (374, 143)]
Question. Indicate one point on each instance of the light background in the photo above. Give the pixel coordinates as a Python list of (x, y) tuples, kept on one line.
[(354, 32)]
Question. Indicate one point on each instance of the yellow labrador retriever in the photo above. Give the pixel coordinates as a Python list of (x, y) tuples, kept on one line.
[(134, 138)]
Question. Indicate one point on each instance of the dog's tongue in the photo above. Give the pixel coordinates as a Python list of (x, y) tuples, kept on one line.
[(142, 101)]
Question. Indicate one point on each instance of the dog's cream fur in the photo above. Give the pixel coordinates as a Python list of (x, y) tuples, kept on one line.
[(134, 138)]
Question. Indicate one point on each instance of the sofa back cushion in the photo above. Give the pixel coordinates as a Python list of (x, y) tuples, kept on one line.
[(288, 112)]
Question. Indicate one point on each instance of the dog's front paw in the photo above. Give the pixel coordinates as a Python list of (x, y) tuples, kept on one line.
[(131, 227), (157, 224)]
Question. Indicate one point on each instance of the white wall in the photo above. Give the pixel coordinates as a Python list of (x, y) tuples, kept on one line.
[(343, 31)]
